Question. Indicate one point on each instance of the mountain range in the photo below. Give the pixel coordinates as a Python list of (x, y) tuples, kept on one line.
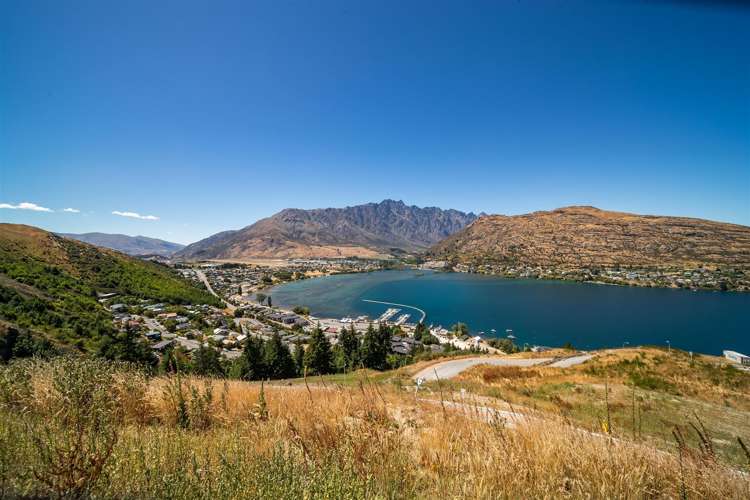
[(371, 230), (131, 245), (581, 236)]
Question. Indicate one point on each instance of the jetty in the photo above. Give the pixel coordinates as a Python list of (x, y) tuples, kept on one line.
[(388, 314), (402, 319), (421, 311)]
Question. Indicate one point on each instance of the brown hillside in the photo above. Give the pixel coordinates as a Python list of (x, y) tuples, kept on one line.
[(587, 236)]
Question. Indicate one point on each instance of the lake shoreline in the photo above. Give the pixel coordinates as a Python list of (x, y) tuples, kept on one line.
[(539, 311)]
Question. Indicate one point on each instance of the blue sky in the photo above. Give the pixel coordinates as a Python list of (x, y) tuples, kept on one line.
[(211, 115)]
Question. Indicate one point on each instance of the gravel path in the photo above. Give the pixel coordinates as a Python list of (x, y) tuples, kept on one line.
[(449, 369)]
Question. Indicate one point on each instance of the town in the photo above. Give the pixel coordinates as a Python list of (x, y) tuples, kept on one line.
[(178, 331), (700, 278)]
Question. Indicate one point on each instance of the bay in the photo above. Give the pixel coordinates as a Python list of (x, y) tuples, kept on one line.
[(539, 312)]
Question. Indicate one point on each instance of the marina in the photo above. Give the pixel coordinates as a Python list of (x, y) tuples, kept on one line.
[(388, 314)]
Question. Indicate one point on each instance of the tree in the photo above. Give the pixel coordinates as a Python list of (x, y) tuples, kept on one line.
[(268, 300), (428, 339), (277, 358), (251, 365), (174, 359), (207, 362), (420, 331), (373, 353), (302, 310), (349, 344), (22, 344), (299, 357), (260, 297), (126, 346), (318, 355), (460, 329), (505, 345)]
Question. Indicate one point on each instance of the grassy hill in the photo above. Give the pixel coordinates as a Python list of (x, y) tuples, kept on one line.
[(49, 284), (85, 428)]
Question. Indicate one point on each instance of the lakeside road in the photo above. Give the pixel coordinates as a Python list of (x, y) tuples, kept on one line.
[(449, 369)]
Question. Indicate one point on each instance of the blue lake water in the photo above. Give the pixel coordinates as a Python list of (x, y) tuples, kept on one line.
[(539, 312)]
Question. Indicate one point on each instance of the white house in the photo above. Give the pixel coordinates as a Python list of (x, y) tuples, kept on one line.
[(737, 357)]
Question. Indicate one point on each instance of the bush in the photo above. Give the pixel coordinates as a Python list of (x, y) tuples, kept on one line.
[(73, 446)]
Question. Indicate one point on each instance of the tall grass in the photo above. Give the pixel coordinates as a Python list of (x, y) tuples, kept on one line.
[(124, 436)]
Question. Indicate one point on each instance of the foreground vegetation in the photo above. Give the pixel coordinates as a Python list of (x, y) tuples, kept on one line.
[(82, 427), (644, 394)]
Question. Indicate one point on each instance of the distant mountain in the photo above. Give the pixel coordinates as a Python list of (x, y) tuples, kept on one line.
[(587, 236), (49, 284), (131, 245), (371, 230)]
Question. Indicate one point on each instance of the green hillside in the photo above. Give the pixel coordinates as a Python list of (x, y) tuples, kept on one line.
[(49, 285)]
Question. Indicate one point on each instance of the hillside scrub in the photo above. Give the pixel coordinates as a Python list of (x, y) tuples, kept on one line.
[(49, 284), (643, 393), (79, 427)]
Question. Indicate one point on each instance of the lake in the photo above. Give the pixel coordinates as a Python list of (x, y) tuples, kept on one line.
[(539, 312)]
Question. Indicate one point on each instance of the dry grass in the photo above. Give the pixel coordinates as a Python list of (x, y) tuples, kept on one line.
[(365, 441), (649, 393)]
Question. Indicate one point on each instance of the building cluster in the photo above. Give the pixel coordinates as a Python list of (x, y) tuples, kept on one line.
[(173, 325), (705, 278), (240, 282)]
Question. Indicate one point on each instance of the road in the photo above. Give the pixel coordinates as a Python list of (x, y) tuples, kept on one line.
[(449, 369), (571, 361), (202, 276)]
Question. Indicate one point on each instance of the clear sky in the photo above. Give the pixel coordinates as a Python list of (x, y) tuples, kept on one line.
[(210, 115)]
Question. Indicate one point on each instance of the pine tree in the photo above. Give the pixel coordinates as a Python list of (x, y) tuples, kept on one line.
[(349, 344), (252, 366), (373, 353), (277, 358), (318, 355), (419, 331), (126, 346), (299, 358), (207, 362)]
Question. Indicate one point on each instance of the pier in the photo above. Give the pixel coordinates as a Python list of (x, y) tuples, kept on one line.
[(421, 311)]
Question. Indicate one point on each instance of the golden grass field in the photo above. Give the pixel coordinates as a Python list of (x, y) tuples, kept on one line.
[(83, 428)]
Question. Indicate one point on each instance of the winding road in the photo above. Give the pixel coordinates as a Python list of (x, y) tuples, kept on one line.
[(449, 369)]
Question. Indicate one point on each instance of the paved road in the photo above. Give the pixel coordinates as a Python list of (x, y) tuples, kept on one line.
[(449, 369), (571, 361), (202, 276)]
